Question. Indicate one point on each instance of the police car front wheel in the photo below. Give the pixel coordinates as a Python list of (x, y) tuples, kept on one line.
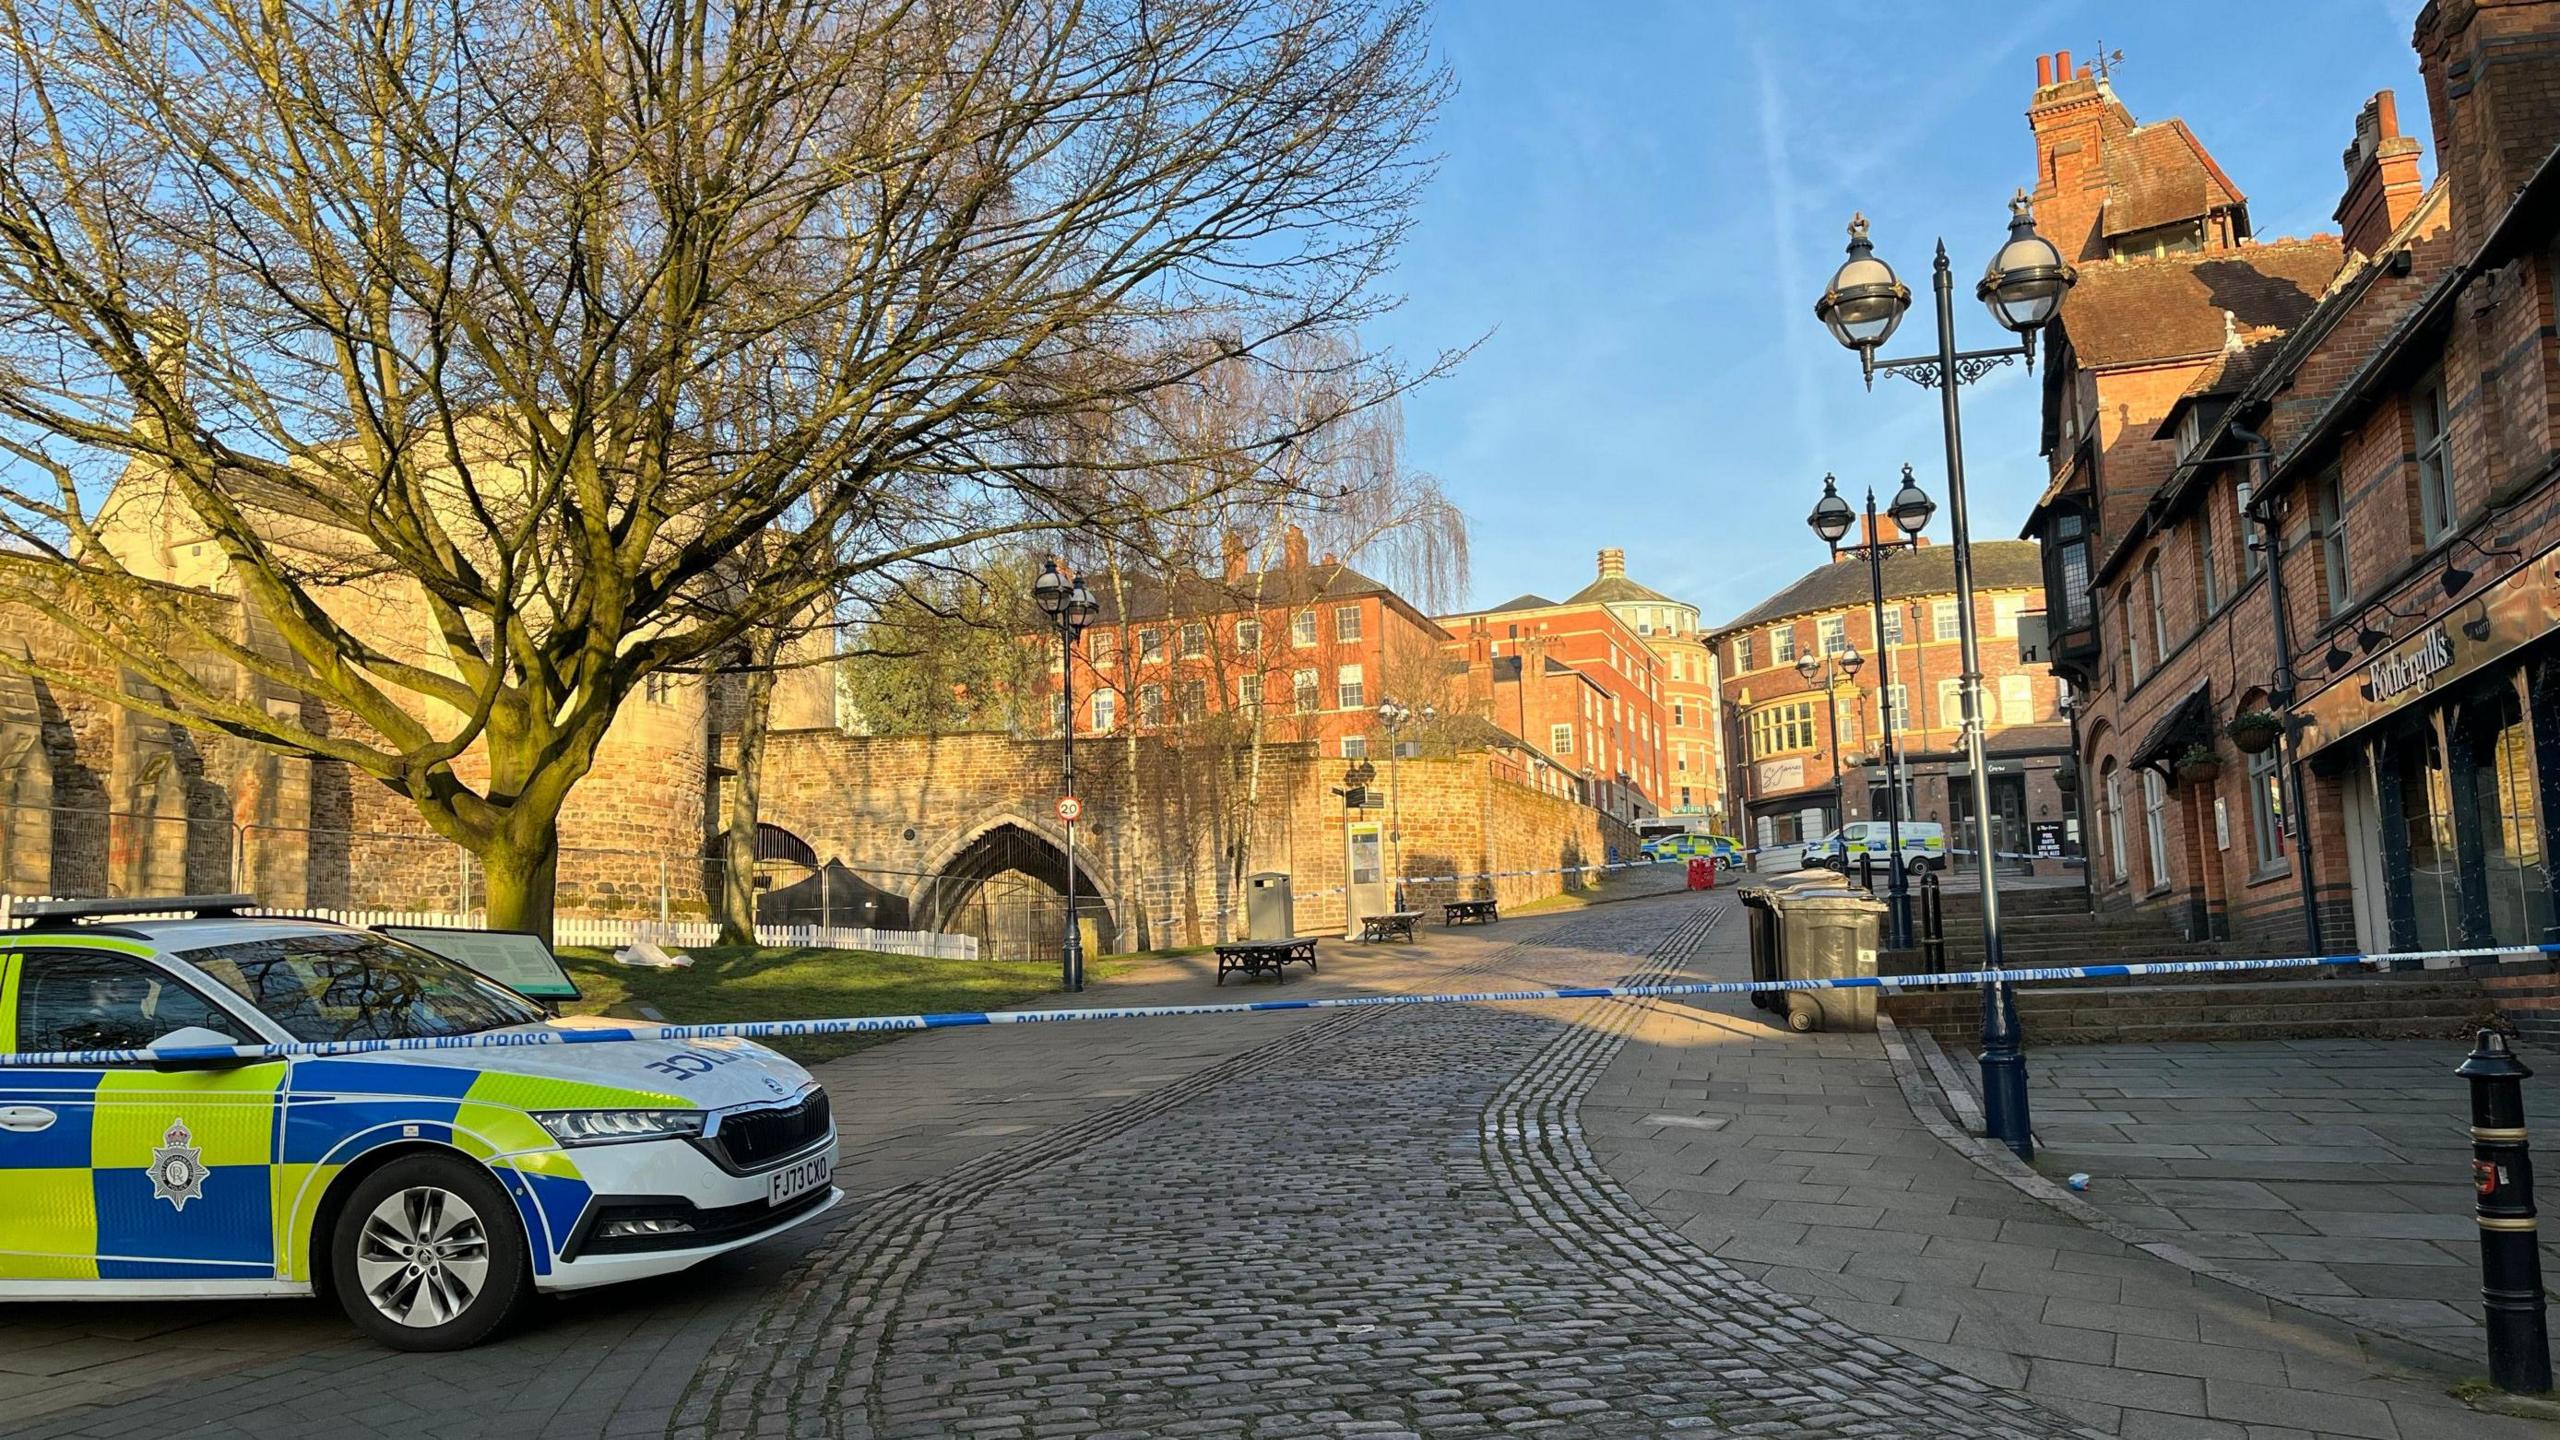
[(427, 1254)]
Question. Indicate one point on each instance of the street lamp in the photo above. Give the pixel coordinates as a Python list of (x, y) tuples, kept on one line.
[(1071, 608), (1831, 519), (1828, 671), (2023, 288), (1392, 714)]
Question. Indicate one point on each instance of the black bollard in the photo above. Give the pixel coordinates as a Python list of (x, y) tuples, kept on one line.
[(2510, 1240), (1933, 922)]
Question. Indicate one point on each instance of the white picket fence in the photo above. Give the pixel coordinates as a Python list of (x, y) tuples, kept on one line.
[(614, 934)]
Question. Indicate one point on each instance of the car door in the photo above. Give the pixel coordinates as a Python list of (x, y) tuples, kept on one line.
[(127, 1171)]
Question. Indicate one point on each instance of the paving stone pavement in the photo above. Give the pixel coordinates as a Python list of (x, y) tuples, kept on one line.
[(1380, 1222), (2334, 1170), (1797, 1160)]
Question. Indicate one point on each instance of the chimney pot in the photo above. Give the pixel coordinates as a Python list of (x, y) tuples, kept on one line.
[(1293, 548), (2044, 71), (2083, 73), (2061, 65), (1235, 557), (2382, 177)]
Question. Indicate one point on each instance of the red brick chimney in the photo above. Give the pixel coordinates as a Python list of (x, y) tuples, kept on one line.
[(2382, 177), (2073, 118), (2489, 67), (1234, 556), (1293, 548), (1613, 564)]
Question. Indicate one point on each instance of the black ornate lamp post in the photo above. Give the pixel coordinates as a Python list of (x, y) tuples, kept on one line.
[(1831, 519), (1827, 672), (1071, 608), (1393, 714), (2023, 287)]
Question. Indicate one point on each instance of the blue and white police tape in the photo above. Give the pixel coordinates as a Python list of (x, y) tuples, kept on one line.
[(561, 1034)]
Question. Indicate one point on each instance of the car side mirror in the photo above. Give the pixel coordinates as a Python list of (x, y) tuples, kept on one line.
[(190, 1037)]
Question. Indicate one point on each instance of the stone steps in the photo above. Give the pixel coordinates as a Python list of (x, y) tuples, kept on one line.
[(2418, 1005)]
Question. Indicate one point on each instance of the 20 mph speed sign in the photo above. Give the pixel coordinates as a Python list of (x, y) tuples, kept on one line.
[(1069, 808)]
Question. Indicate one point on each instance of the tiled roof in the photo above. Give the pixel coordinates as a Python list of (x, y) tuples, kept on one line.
[(1617, 590), (1930, 570), (2228, 373), (1521, 602), (1152, 598), (2159, 175), (2130, 312)]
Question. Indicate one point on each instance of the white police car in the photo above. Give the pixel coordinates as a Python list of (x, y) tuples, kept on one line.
[(429, 1190)]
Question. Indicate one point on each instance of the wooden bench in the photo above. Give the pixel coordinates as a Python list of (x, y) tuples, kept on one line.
[(1479, 912), (1389, 925), (1266, 957)]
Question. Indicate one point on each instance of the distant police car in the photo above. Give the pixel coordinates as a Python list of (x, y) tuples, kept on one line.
[(429, 1189)]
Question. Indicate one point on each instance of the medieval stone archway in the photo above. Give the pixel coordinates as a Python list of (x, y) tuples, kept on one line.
[(1005, 882)]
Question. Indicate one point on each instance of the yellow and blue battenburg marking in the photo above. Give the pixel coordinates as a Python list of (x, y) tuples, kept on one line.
[(145, 1174)]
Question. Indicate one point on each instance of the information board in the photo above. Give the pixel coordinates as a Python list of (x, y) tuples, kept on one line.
[(513, 958)]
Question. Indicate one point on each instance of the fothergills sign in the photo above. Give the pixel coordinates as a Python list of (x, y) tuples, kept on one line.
[(2412, 668)]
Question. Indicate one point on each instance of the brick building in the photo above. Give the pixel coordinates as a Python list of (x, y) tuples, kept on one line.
[(2345, 516), (1693, 786), (1578, 680), (1307, 646), (1793, 778)]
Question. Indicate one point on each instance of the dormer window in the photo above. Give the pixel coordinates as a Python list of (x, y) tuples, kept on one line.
[(2190, 432)]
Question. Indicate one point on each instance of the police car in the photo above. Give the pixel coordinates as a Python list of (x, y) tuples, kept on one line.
[(1924, 846), (428, 1190)]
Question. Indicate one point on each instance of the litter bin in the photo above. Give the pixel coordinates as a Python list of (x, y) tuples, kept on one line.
[(1829, 931), (1768, 933), (1269, 912)]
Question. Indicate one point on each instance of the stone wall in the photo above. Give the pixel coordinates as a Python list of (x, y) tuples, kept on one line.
[(101, 798)]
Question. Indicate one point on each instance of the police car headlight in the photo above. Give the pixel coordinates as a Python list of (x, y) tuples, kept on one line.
[(616, 1127)]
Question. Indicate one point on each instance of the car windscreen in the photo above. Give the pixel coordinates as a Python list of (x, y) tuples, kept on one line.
[(336, 985)]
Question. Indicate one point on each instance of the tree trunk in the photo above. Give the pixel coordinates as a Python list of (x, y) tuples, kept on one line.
[(522, 878), (738, 860)]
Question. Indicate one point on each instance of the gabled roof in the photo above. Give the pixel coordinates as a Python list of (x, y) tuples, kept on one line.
[(2226, 374), (2159, 174), (1930, 570), (2275, 363), (2171, 307)]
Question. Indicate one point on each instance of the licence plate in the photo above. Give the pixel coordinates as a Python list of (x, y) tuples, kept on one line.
[(799, 1178)]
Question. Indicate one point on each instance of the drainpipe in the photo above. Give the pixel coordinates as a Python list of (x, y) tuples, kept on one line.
[(2262, 455)]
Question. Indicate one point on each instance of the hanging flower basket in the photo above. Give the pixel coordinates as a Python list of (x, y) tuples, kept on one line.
[(2255, 731), (2198, 765)]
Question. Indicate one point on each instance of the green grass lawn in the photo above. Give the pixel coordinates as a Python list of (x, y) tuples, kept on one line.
[(758, 983)]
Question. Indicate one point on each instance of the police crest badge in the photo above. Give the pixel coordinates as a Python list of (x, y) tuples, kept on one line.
[(177, 1168)]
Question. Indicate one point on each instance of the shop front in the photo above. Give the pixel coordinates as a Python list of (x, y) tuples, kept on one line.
[(2446, 750)]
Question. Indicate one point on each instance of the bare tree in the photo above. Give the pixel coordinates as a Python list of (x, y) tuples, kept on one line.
[(477, 339), (1338, 486)]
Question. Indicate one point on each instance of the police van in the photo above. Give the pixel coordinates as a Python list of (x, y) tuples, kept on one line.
[(430, 1190), (1924, 846)]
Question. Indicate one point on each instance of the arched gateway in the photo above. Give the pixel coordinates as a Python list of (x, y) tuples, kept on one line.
[(1005, 882)]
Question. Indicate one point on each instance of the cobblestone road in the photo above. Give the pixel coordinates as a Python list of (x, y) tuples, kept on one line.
[(1385, 1224)]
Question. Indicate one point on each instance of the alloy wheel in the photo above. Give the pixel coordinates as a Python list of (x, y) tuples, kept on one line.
[(423, 1256)]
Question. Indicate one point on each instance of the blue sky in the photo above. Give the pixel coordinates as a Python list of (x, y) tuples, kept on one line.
[(1639, 203)]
